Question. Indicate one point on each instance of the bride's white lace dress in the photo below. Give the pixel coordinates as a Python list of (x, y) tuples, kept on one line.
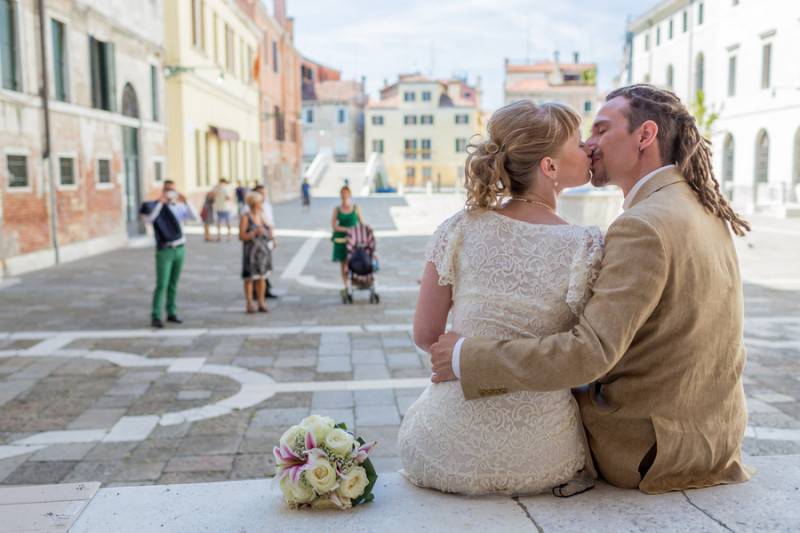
[(510, 279)]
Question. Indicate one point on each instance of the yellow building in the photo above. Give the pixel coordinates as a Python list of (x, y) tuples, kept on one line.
[(212, 97), (421, 128)]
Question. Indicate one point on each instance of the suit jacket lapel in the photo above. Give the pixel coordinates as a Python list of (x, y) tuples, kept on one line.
[(665, 178)]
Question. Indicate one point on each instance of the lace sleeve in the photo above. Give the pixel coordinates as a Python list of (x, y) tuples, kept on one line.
[(584, 270), (443, 247)]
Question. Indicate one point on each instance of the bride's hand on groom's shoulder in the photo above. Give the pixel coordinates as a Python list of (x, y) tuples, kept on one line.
[(442, 357)]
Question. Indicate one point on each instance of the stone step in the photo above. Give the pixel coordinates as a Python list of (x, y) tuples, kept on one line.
[(769, 502)]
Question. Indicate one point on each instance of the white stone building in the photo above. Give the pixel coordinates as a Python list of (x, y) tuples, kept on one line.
[(743, 56), (333, 120)]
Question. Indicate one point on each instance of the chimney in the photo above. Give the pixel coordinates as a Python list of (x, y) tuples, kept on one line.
[(576, 56), (279, 9)]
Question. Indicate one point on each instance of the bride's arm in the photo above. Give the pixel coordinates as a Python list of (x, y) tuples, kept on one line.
[(433, 306)]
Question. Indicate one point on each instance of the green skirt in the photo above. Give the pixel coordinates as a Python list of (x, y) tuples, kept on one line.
[(339, 247)]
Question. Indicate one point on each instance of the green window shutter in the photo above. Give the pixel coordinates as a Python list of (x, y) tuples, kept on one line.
[(94, 66), (111, 76), (8, 45)]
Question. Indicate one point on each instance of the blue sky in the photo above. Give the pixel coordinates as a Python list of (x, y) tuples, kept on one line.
[(381, 38)]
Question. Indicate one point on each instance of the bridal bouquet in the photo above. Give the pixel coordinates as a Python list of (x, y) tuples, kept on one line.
[(322, 465)]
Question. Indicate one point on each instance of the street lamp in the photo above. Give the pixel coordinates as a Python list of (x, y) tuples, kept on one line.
[(171, 71)]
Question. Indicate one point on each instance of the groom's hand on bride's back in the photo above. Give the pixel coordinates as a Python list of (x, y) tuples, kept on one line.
[(442, 357)]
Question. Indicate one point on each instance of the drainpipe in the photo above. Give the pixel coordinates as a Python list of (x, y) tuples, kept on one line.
[(47, 153)]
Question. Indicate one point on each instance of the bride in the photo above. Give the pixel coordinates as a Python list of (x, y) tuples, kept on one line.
[(507, 267)]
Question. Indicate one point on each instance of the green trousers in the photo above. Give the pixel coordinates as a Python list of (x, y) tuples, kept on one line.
[(169, 263)]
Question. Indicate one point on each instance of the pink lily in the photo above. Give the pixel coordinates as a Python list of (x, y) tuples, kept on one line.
[(362, 452), (289, 463)]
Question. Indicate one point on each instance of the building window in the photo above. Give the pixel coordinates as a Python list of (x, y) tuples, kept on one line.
[(462, 119), (280, 131), (670, 77), (426, 96), (410, 120), (411, 175), (377, 145), (671, 31), (646, 42), (658, 36), (309, 116), (103, 171), (229, 49), (341, 116), (796, 174), (762, 158), (701, 13), (461, 145), (587, 106), (215, 27), (685, 21), (158, 171), (427, 173), (66, 171), (410, 148), (154, 91), (58, 35), (699, 73), (426, 119), (732, 76), (275, 66), (9, 51), (766, 66), (426, 148), (104, 75), (377, 120), (17, 170), (198, 23), (409, 96), (728, 152)]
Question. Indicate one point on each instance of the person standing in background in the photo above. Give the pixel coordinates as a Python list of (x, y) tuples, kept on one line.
[(268, 217), (241, 192), (305, 189), (168, 229), (256, 256), (222, 207)]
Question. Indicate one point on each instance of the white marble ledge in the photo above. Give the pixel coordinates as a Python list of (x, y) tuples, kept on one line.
[(43, 508), (769, 502)]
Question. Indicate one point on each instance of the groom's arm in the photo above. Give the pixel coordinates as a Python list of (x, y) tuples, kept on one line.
[(629, 286)]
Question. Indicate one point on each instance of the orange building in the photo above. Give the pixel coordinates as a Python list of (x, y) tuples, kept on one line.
[(277, 70)]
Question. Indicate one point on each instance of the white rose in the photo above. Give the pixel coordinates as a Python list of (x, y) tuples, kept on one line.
[(325, 502), (353, 483), (321, 476), (289, 438), (296, 492), (319, 426), (339, 442)]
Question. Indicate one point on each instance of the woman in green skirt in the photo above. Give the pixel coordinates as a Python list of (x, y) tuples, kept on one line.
[(345, 216)]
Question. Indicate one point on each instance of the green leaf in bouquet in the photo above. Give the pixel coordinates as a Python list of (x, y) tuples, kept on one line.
[(341, 425), (372, 476)]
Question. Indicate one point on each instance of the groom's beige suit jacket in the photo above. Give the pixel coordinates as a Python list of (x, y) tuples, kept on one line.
[(659, 341)]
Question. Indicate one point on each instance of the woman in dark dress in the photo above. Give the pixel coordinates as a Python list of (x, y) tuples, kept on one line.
[(256, 256)]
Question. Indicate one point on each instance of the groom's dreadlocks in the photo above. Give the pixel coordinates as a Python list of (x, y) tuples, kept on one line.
[(680, 142)]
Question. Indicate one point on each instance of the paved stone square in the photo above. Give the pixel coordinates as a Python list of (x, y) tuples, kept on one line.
[(88, 392)]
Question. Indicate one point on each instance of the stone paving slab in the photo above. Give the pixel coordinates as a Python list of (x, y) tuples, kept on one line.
[(769, 502)]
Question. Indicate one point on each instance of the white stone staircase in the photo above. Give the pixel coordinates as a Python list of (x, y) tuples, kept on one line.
[(327, 176)]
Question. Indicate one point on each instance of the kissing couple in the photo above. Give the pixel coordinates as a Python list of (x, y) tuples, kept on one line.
[(576, 355)]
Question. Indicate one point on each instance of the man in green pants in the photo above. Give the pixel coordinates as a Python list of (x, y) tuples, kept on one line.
[(167, 215)]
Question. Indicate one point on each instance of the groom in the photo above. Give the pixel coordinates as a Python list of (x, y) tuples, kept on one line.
[(660, 340)]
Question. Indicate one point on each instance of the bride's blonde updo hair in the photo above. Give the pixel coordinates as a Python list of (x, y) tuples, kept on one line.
[(520, 136)]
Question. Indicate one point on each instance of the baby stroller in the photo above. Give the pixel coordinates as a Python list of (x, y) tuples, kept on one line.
[(362, 263)]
